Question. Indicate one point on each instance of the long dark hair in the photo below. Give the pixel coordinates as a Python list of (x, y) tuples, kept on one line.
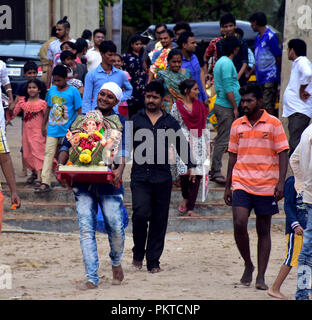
[(41, 88), (186, 85), (133, 40)]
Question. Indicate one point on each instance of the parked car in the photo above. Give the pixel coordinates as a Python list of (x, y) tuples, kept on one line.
[(204, 32), (15, 54)]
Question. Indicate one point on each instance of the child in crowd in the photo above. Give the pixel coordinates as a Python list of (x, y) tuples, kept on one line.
[(30, 72), (75, 72), (33, 141), (82, 48), (123, 106), (70, 46), (296, 220), (79, 70), (64, 104)]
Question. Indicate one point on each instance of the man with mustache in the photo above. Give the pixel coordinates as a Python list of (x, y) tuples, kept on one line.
[(257, 168), (151, 179)]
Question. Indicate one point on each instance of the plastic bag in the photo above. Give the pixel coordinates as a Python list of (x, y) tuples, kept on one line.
[(100, 225)]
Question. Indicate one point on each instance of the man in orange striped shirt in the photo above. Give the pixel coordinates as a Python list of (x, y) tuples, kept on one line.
[(257, 169)]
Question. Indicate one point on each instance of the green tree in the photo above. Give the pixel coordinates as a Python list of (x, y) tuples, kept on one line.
[(142, 13)]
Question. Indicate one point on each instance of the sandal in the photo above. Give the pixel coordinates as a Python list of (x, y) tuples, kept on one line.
[(46, 188), (219, 179), (37, 184), (181, 209), (32, 178)]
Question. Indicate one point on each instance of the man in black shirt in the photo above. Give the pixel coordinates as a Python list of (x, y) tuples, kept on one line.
[(151, 179), (228, 23)]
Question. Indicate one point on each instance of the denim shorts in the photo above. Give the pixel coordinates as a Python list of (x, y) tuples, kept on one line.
[(262, 205)]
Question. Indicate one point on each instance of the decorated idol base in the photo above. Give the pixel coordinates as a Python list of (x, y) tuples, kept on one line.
[(88, 174), (94, 145)]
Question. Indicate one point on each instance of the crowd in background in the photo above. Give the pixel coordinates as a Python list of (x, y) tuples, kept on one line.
[(199, 92)]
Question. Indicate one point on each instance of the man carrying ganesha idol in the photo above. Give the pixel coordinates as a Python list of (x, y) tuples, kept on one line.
[(98, 139)]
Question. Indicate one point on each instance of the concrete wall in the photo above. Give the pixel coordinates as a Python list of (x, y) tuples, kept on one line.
[(113, 23), (42, 14)]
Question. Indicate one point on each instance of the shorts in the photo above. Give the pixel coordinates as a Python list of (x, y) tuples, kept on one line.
[(294, 245), (262, 205)]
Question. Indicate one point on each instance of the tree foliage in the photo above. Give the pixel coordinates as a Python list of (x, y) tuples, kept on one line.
[(142, 13)]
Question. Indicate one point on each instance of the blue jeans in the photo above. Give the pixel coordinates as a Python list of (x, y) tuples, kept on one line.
[(88, 197), (305, 261)]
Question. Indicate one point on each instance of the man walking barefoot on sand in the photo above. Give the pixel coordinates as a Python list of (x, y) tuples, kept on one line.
[(257, 168), (151, 179), (109, 196)]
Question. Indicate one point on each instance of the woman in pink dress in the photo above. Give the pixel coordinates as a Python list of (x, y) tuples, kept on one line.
[(33, 141)]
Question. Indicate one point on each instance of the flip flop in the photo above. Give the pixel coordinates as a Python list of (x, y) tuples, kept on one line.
[(31, 179), (181, 209), (219, 179), (47, 188), (37, 184)]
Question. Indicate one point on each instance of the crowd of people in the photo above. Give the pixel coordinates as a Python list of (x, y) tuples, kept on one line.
[(164, 86)]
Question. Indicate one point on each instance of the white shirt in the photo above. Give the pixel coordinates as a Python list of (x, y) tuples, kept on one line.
[(93, 59), (301, 74), (301, 164), (4, 80), (54, 51)]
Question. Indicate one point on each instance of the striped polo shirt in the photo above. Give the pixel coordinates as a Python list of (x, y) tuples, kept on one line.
[(256, 170)]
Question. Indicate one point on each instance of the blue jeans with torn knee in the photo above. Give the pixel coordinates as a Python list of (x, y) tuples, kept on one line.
[(88, 197), (304, 280)]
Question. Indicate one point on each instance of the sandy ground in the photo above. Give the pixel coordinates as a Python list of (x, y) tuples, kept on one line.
[(197, 266)]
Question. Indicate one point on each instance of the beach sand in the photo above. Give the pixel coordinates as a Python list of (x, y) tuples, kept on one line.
[(197, 266)]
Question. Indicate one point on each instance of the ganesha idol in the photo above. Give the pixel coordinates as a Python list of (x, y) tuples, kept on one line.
[(94, 139)]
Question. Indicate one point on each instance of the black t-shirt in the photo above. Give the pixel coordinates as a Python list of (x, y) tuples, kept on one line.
[(240, 58), (81, 71)]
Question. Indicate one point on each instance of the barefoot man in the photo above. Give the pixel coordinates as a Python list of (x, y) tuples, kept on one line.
[(89, 196), (257, 168), (151, 179)]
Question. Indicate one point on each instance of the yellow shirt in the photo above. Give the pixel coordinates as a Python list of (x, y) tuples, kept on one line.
[(44, 50)]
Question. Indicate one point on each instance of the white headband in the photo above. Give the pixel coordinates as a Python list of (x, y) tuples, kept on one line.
[(114, 88)]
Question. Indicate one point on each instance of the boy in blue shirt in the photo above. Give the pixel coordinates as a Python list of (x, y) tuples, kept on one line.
[(64, 104), (296, 220), (268, 60)]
